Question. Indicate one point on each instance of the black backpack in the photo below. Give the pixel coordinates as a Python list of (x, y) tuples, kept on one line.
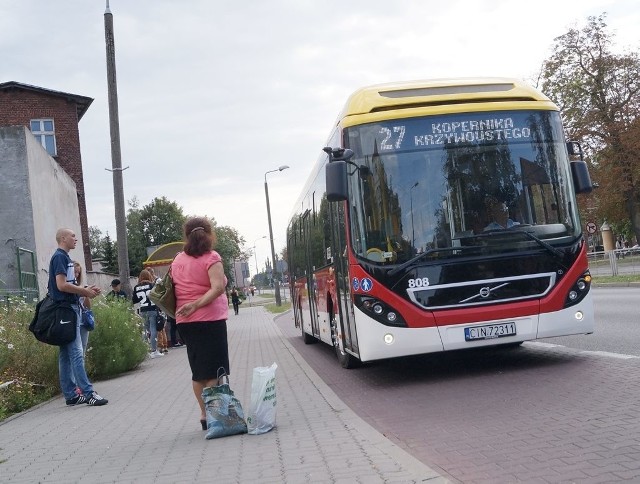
[(54, 322)]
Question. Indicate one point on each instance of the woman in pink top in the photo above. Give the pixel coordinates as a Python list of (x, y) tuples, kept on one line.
[(202, 307)]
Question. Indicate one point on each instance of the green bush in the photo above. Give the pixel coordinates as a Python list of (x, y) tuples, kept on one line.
[(29, 369), (21, 354), (116, 344), (20, 395)]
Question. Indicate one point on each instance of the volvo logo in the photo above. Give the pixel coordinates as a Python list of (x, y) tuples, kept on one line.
[(485, 292)]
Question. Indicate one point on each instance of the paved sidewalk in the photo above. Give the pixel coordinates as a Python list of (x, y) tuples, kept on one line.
[(149, 431)]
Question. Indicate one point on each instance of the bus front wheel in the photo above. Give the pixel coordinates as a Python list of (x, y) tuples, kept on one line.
[(346, 360)]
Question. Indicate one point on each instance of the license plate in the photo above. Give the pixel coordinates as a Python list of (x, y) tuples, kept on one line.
[(489, 331)]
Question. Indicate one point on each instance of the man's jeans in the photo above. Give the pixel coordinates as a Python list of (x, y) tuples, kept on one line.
[(71, 364), (84, 338), (150, 320)]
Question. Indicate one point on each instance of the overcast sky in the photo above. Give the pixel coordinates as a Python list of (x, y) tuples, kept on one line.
[(213, 94)]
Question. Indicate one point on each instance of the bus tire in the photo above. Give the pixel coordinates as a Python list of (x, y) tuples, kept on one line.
[(346, 360), (307, 338)]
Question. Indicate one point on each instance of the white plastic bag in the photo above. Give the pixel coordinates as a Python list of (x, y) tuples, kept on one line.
[(261, 416)]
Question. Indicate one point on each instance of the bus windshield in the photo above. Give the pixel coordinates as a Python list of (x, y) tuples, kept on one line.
[(434, 184)]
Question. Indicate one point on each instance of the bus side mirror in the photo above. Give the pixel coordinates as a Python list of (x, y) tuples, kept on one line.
[(336, 176), (338, 154), (581, 178), (574, 149)]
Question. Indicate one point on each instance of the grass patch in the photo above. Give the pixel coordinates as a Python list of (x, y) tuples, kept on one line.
[(626, 278), (272, 308)]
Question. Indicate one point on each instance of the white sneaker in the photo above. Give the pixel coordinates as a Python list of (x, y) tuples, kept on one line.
[(155, 354)]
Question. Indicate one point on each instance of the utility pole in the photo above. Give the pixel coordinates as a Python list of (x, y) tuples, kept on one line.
[(116, 157)]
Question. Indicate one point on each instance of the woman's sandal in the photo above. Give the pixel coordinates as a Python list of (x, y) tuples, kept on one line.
[(204, 424)]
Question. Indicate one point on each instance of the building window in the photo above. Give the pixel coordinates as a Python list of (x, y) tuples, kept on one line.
[(44, 132)]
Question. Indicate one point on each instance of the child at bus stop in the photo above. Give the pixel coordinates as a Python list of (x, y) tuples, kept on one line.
[(161, 335)]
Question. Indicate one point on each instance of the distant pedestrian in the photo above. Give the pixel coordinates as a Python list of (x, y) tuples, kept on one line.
[(62, 286), (147, 310), (235, 300), (619, 247), (154, 278), (199, 280)]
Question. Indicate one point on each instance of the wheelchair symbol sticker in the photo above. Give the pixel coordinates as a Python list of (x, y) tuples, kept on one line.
[(356, 284), (366, 284)]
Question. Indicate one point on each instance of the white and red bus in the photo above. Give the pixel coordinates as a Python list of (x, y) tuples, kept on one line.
[(441, 215)]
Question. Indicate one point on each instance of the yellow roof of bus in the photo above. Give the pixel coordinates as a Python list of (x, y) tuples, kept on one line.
[(440, 96)]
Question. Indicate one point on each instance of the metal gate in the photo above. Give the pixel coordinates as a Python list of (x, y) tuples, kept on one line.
[(27, 274)]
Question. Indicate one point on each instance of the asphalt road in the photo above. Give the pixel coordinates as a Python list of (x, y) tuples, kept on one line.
[(617, 323), (559, 410)]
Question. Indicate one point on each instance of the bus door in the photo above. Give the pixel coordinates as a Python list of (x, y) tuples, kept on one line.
[(309, 269), (345, 317)]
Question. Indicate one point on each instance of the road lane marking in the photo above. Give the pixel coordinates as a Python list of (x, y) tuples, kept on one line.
[(611, 355), (606, 354)]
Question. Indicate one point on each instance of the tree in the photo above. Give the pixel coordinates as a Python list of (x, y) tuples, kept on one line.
[(157, 223), (228, 245), (110, 256), (162, 221), (598, 93), (137, 244), (95, 242)]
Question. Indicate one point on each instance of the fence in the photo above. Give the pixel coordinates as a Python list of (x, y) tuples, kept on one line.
[(619, 262), (27, 290), (7, 296)]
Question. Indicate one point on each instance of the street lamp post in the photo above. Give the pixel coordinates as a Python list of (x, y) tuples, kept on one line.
[(273, 250)]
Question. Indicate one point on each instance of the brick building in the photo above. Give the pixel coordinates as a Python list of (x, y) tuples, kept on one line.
[(52, 117)]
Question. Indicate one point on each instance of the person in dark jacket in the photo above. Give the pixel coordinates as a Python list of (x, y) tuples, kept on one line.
[(235, 300), (116, 291)]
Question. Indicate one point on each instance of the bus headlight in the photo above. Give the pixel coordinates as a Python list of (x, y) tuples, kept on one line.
[(388, 339), (579, 315), (380, 311), (579, 290)]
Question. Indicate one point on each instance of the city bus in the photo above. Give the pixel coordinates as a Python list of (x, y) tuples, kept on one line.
[(441, 215)]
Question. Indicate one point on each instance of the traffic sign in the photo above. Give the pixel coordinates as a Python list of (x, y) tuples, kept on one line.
[(591, 227)]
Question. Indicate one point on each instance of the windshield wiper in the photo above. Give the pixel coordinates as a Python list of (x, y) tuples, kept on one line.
[(557, 253), (551, 249), (422, 255)]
